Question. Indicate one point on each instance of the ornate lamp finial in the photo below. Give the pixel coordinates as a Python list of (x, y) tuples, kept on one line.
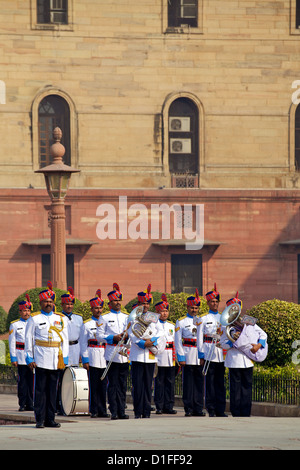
[(57, 150)]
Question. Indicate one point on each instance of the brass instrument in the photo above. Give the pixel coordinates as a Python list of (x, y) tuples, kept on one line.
[(142, 320), (139, 322), (233, 322)]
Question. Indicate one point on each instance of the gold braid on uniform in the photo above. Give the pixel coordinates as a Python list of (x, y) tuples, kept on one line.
[(60, 364)]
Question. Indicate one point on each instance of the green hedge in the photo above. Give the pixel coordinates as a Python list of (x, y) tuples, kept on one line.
[(281, 321), (3, 321)]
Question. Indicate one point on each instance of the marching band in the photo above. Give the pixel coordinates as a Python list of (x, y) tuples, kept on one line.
[(144, 343)]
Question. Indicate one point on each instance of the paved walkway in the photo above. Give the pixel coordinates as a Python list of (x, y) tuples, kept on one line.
[(175, 433)]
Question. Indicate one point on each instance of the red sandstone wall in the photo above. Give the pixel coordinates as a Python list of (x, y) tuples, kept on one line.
[(249, 225)]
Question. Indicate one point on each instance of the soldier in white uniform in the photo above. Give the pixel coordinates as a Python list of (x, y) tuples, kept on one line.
[(164, 383), (16, 341), (215, 393), (241, 366), (111, 330), (46, 349), (187, 356), (93, 360), (143, 359), (74, 326)]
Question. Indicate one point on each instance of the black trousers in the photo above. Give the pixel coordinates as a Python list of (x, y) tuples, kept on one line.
[(215, 394), (164, 386), (117, 386), (45, 390), (240, 381), (25, 386), (97, 391), (192, 388), (142, 378)]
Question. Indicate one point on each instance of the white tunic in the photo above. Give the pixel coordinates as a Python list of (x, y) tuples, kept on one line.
[(138, 351), (112, 324), (16, 341), (92, 350), (74, 323), (235, 358), (186, 340), (167, 357), (208, 325), (39, 328)]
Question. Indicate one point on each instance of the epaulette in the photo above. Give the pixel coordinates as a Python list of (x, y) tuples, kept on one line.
[(14, 321), (75, 313), (181, 318), (60, 314), (85, 321), (34, 314), (169, 321)]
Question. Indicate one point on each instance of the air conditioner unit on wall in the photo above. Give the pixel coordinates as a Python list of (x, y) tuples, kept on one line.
[(180, 146), (57, 17), (179, 124)]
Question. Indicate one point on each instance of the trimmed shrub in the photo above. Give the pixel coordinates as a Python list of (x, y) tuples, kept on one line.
[(3, 320)]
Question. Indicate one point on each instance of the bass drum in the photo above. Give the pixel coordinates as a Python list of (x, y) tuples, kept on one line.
[(75, 391)]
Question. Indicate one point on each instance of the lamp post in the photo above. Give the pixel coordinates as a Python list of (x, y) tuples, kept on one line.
[(57, 177)]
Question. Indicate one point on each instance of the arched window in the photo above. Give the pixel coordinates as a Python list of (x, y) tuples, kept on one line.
[(183, 137), (297, 138), (53, 111)]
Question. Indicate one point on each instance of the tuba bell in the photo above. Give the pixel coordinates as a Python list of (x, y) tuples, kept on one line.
[(234, 322), (140, 320)]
